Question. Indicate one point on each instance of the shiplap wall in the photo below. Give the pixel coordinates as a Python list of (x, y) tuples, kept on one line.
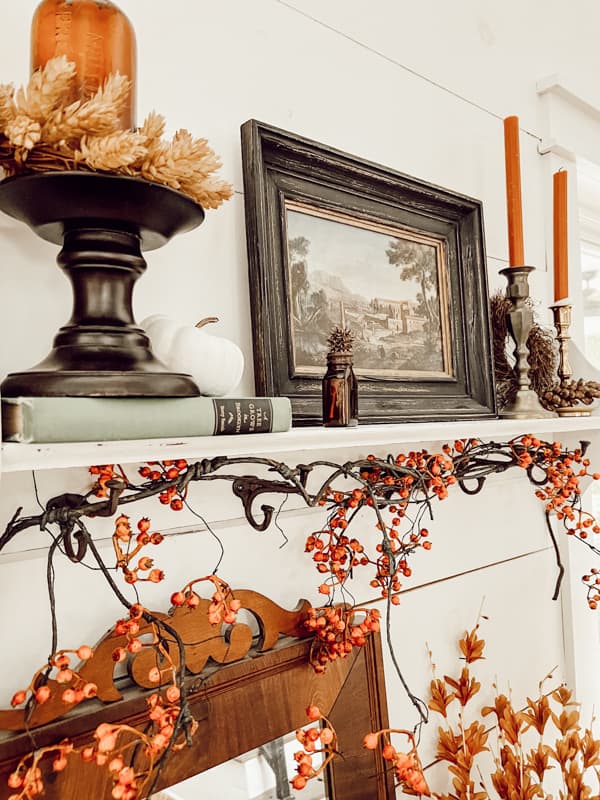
[(421, 88)]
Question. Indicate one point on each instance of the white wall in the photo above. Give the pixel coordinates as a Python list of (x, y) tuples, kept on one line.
[(421, 88)]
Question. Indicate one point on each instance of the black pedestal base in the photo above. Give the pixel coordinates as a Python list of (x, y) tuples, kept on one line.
[(80, 383), (103, 223)]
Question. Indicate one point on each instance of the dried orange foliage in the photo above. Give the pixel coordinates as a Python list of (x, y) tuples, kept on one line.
[(531, 743)]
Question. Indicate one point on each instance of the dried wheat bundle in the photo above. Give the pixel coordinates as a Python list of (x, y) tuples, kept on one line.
[(43, 128)]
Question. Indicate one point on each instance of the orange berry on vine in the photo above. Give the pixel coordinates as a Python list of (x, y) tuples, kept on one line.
[(370, 741), (154, 675), (15, 780), (42, 694), (326, 736), (17, 699), (389, 752), (177, 599), (87, 754), (136, 611), (173, 694), (68, 696), (120, 654)]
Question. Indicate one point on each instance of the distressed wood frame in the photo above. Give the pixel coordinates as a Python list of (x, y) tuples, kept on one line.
[(279, 167)]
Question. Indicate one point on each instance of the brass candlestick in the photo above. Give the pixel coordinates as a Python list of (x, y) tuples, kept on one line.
[(562, 322), (519, 322)]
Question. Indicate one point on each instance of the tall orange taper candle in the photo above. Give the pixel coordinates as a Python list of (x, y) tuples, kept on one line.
[(513, 192), (561, 249)]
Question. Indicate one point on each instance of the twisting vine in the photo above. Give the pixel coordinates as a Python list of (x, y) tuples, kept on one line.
[(399, 491)]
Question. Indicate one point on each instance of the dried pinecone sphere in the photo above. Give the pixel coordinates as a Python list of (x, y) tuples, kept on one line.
[(340, 340), (571, 393)]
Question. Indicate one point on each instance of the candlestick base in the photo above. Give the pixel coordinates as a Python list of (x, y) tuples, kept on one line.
[(574, 411), (526, 404), (561, 313)]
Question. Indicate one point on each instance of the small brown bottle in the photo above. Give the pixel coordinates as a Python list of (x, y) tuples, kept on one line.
[(96, 36), (340, 387)]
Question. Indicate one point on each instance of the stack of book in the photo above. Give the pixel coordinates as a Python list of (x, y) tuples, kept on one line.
[(101, 419)]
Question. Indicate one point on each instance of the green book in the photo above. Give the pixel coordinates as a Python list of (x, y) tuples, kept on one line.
[(102, 419)]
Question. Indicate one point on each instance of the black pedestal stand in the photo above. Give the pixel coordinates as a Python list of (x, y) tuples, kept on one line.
[(103, 223)]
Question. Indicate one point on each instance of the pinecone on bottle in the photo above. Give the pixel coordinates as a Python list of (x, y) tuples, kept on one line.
[(571, 393), (340, 340)]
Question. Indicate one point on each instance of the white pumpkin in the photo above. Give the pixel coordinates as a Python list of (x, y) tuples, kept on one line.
[(215, 363)]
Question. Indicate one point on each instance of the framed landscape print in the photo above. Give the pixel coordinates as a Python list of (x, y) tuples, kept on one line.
[(333, 239)]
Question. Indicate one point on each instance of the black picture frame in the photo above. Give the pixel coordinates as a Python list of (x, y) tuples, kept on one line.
[(283, 171)]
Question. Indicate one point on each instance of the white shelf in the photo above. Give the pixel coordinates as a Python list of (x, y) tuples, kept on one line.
[(392, 438)]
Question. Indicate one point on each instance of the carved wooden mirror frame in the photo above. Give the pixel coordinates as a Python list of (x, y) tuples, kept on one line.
[(239, 707)]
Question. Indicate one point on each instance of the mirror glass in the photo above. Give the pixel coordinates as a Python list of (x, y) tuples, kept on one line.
[(263, 773)]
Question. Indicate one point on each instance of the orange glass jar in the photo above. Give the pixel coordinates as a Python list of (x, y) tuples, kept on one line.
[(94, 34)]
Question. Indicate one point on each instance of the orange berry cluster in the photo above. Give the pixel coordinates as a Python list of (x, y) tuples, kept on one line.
[(315, 741), (407, 766), (106, 473), (336, 631), (561, 493), (411, 481), (127, 783), (223, 607), (164, 716), (130, 628), (122, 537), (164, 471), (391, 488), (59, 670), (593, 588), (27, 777), (333, 551)]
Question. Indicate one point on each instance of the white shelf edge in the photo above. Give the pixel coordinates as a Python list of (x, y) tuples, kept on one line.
[(22, 457)]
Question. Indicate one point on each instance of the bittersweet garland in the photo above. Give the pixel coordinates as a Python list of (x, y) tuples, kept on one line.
[(400, 492)]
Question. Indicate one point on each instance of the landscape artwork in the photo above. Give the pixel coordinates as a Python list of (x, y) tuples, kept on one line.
[(388, 285)]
